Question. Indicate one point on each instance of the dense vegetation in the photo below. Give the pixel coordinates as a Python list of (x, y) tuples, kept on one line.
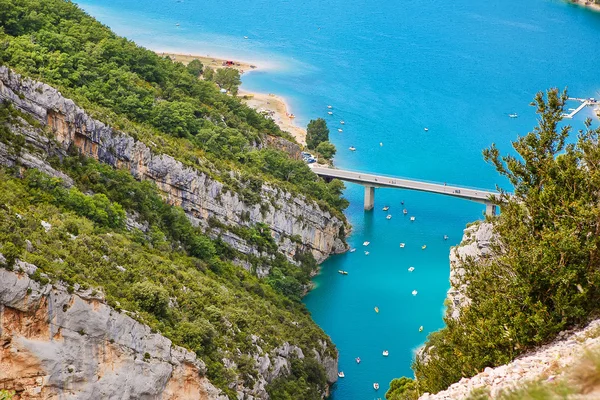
[(544, 274), (160, 267), (150, 97), (195, 297)]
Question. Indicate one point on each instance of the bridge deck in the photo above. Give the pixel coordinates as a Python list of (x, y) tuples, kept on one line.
[(478, 195)]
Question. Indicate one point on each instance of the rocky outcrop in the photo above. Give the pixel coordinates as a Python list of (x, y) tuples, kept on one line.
[(476, 246), (73, 346), (546, 364), (202, 197)]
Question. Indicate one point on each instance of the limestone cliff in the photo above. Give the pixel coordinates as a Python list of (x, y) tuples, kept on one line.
[(73, 346), (296, 223), (475, 246)]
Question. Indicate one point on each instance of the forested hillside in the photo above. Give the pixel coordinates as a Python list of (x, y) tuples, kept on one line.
[(101, 228), (133, 89), (543, 275)]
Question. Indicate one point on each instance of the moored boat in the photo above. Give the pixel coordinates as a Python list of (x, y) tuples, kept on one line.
[(341, 374), (411, 269), (343, 272), (376, 309), (414, 292), (389, 216), (352, 148), (366, 243), (423, 247), (376, 386), (412, 218), (385, 208), (386, 353), (402, 245)]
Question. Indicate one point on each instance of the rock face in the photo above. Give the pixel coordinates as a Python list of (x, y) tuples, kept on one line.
[(198, 194), (543, 364), (73, 346), (475, 245)]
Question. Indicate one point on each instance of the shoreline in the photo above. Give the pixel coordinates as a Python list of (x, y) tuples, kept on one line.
[(586, 4), (269, 104), (277, 108), (209, 61)]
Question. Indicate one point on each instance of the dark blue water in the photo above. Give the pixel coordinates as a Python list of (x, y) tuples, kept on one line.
[(390, 68)]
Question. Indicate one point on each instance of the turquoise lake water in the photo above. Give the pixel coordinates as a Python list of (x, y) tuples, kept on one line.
[(389, 69)]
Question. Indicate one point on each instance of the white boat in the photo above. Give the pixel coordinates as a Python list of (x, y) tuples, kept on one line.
[(343, 272), (376, 386), (376, 309), (405, 211), (341, 374), (352, 250), (357, 360), (381, 143), (445, 237), (426, 129), (366, 243), (411, 269), (366, 253), (352, 148), (340, 130), (402, 245), (329, 112), (330, 107), (389, 216), (385, 208), (414, 292), (513, 115), (342, 122), (245, 37), (386, 353), (176, 24), (412, 218), (423, 247), (421, 328)]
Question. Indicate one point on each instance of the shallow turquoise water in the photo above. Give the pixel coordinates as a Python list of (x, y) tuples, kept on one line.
[(389, 69)]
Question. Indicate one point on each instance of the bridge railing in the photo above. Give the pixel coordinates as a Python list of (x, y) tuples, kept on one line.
[(377, 174)]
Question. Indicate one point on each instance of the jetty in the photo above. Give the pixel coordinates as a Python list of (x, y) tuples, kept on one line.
[(371, 182), (584, 103)]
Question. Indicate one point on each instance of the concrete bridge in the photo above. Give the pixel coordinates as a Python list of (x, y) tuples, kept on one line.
[(370, 182)]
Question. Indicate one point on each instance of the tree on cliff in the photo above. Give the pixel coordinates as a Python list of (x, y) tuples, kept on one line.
[(543, 276), (326, 149), (228, 78), (195, 67), (316, 132)]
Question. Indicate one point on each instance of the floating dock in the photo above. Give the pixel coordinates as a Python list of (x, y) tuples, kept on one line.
[(584, 104)]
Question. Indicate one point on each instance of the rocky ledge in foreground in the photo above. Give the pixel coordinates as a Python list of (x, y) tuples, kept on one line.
[(547, 363), (73, 346)]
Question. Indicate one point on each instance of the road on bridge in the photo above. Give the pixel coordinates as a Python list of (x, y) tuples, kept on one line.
[(381, 181)]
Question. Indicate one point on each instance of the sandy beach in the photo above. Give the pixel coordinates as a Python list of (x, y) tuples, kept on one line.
[(213, 62), (278, 109), (587, 3)]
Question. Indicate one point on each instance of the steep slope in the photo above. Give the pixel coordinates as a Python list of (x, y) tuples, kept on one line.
[(54, 344), (296, 223)]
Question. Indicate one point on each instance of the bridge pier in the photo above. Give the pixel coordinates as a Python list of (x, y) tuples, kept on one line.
[(369, 198), (490, 209)]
